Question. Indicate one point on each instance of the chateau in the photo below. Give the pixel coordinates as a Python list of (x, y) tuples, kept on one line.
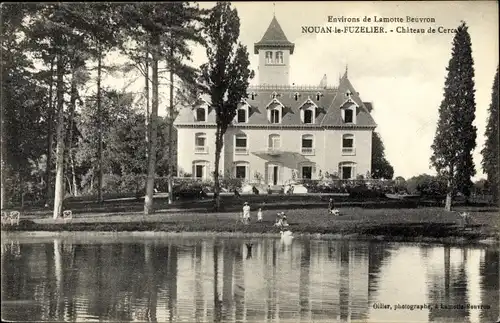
[(281, 131)]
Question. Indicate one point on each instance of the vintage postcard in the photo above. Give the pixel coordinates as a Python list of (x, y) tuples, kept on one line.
[(250, 162)]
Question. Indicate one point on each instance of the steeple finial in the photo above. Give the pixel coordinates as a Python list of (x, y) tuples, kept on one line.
[(346, 70), (274, 9)]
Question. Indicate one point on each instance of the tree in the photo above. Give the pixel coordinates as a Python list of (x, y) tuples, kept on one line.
[(225, 77), (381, 168), (24, 101), (177, 49), (455, 137), (490, 151), (161, 29)]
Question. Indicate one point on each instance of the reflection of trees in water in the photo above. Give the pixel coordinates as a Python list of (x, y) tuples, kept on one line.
[(138, 281), (304, 281), (198, 289), (490, 281)]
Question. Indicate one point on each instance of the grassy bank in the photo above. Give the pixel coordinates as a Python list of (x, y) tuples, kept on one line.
[(415, 224)]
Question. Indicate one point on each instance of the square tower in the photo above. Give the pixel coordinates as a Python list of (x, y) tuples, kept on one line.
[(274, 52)]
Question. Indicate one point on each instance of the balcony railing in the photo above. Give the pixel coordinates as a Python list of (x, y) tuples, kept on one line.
[(348, 151), (308, 151), (201, 149), (240, 150)]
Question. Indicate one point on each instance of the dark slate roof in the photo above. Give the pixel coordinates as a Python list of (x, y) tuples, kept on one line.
[(274, 37), (328, 111), (334, 117)]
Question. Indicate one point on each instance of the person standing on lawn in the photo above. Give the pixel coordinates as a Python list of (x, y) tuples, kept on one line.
[(246, 212), (259, 215)]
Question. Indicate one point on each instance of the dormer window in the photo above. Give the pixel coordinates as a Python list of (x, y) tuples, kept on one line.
[(348, 116), (275, 111), (241, 116), (275, 116), (308, 111), (296, 96), (269, 57), (279, 57), (253, 95), (318, 96), (201, 114), (275, 95), (308, 116), (348, 94)]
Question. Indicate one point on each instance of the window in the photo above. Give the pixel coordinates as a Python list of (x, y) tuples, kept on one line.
[(253, 95), (240, 144), (307, 172), (275, 116), (201, 114), (269, 57), (198, 173), (242, 115), (200, 169), (279, 58), (348, 144), (200, 141), (308, 116), (296, 96), (347, 170), (318, 96), (274, 142), (241, 172), (307, 145), (348, 116)]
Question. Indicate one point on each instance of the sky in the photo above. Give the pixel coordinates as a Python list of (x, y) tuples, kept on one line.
[(402, 74)]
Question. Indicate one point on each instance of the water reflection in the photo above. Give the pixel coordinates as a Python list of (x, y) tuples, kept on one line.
[(231, 280)]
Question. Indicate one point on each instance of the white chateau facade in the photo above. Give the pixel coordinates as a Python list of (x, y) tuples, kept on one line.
[(281, 131)]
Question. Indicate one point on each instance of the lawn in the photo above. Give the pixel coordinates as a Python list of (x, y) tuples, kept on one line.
[(403, 224)]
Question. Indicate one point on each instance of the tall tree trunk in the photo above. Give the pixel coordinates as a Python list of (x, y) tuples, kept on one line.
[(450, 190), (170, 125), (59, 189), (50, 137), (218, 149), (146, 89), (99, 126), (73, 174), (74, 94), (3, 154), (148, 201)]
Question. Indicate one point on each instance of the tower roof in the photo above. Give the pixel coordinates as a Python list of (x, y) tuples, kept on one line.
[(274, 37)]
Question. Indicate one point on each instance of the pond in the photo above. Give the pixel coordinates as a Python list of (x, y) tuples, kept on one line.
[(261, 279)]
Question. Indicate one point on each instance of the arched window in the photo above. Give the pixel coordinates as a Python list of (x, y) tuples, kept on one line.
[(274, 142), (348, 144), (347, 170), (201, 114), (269, 57), (279, 57), (307, 144), (200, 143), (240, 144)]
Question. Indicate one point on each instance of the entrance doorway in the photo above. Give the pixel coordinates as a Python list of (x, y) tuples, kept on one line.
[(273, 174)]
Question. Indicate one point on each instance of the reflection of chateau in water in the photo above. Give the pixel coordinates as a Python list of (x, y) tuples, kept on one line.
[(209, 280)]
